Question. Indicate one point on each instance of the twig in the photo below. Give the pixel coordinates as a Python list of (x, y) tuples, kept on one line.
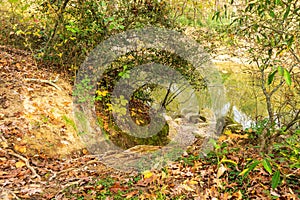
[(294, 172), (295, 55), (73, 168), (50, 82), (68, 185), (10, 152), (85, 156), (60, 172), (5, 192), (2, 138)]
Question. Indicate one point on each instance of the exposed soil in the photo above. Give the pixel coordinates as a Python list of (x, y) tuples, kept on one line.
[(34, 115)]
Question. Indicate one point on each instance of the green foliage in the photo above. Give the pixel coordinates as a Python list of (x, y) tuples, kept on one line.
[(125, 73), (289, 149), (189, 160), (65, 31), (275, 179), (83, 122), (270, 32), (107, 182), (69, 122), (119, 106), (267, 166), (81, 89)]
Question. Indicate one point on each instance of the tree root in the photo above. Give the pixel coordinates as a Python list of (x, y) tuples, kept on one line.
[(10, 152), (55, 174), (50, 82)]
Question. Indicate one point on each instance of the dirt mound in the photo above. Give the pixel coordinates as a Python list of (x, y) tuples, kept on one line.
[(35, 107)]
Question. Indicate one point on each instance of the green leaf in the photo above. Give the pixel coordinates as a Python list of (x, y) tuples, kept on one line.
[(214, 143), (295, 165), (290, 41), (271, 77), (110, 19), (267, 166), (287, 77), (216, 15), (258, 39), (13, 1), (280, 70), (246, 171), (275, 179), (272, 14), (287, 12), (121, 27)]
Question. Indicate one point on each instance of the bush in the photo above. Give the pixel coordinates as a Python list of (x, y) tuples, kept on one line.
[(64, 31)]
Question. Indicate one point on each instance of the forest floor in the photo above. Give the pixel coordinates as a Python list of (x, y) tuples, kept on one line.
[(41, 156)]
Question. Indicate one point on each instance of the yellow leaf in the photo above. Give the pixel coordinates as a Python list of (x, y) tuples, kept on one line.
[(163, 175), (20, 164), (243, 172), (228, 161), (60, 54), (227, 132), (21, 149), (4, 145), (130, 57), (193, 182), (37, 34), (147, 174), (102, 93), (133, 113), (238, 136)]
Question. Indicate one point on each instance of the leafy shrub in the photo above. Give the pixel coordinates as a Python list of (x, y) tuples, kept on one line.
[(65, 31)]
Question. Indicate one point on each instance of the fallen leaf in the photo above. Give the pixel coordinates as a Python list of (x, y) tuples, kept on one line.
[(4, 145), (193, 182), (146, 181), (187, 188), (147, 174), (238, 195), (21, 149), (117, 187), (20, 164), (222, 138), (85, 151), (131, 194), (221, 171)]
